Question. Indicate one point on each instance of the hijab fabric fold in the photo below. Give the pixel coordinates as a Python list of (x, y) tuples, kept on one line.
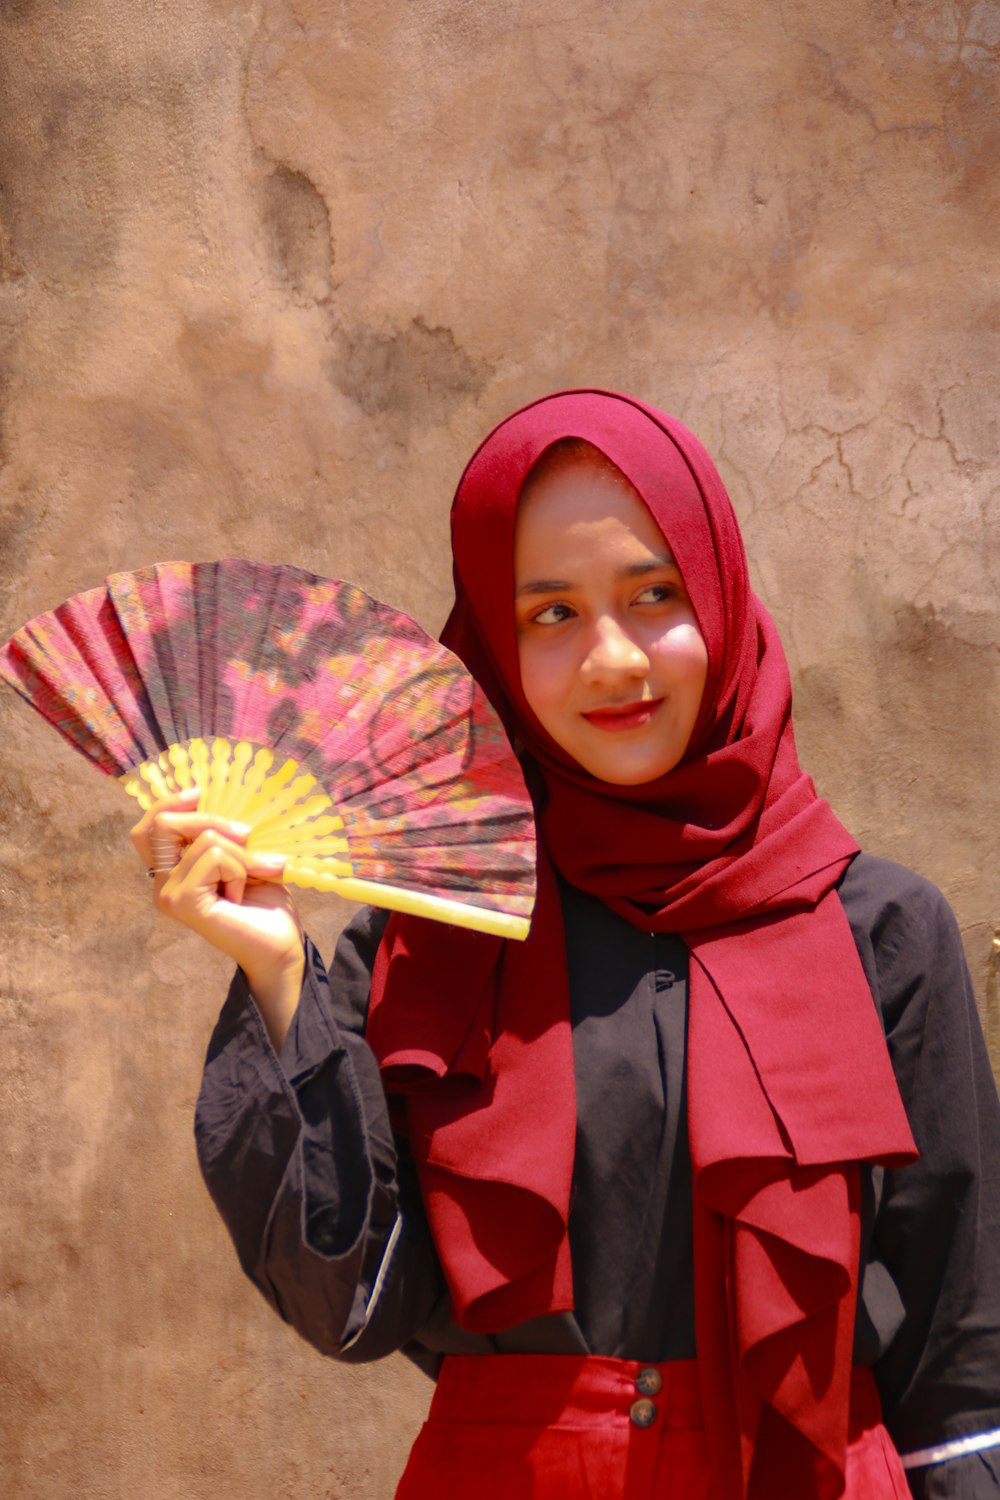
[(734, 850)]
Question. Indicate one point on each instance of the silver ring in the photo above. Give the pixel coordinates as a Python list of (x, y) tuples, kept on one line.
[(166, 850)]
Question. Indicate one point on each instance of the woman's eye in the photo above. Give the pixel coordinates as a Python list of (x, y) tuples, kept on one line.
[(657, 593), (552, 614)]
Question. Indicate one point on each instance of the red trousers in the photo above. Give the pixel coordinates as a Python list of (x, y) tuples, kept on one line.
[(558, 1427)]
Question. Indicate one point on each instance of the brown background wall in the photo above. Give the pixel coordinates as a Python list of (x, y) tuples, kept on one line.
[(267, 272)]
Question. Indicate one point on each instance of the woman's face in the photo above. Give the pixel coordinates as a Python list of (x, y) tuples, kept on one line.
[(612, 661)]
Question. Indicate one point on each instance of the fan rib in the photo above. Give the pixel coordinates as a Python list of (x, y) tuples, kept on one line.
[(419, 904)]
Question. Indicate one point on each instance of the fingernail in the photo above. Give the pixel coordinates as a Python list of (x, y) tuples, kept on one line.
[(242, 830), (269, 861)]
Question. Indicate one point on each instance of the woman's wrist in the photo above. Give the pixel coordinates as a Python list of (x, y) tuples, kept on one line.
[(276, 993)]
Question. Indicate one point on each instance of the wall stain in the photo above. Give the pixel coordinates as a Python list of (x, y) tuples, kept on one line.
[(11, 266), (930, 677), (217, 354), (11, 261), (297, 223), (927, 643), (416, 375), (901, 725), (20, 521)]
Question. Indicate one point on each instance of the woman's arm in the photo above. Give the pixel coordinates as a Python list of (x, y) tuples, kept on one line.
[(292, 1124), (937, 1227), (298, 1154)]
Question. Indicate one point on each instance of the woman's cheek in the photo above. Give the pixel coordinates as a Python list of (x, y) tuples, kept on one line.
[(546, 673), (533, 672), (681, 669), (697, 652)]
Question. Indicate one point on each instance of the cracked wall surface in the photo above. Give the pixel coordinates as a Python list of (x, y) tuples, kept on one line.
[(268, 270)]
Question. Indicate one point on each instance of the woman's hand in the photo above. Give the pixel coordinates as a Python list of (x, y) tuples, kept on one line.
[(207, 880)]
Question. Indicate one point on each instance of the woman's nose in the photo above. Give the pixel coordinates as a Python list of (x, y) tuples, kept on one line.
[(613, 650)]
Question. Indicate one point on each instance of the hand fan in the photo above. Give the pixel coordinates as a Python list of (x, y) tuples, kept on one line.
[(352, 742)]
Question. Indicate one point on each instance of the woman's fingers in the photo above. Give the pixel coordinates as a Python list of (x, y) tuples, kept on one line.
[(232, 899), (162, 833), (211, 869), (180, 829), (205, 878), (139, 833), (213, 860), (191, 887)]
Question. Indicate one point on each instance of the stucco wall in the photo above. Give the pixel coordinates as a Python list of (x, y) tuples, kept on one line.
[(267, 272)]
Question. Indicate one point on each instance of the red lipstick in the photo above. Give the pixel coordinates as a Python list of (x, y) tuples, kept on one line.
[(622, 716)]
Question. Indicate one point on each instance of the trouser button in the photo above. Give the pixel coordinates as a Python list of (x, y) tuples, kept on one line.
[(649, 1382), (643, 1412)]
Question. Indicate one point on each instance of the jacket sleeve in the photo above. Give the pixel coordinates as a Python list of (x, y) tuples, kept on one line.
[(299, 1157), (935, 1247)]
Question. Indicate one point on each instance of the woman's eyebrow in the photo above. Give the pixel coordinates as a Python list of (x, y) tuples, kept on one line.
[(561, 585), (650, 565), (542, 586)]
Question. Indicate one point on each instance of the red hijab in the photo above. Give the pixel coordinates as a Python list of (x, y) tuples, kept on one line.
[(789, 1082)]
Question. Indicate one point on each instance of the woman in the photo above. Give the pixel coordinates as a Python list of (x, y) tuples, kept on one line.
[(654, 1185)]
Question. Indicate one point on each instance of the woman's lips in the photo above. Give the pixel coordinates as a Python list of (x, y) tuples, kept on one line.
[(624, 716)]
